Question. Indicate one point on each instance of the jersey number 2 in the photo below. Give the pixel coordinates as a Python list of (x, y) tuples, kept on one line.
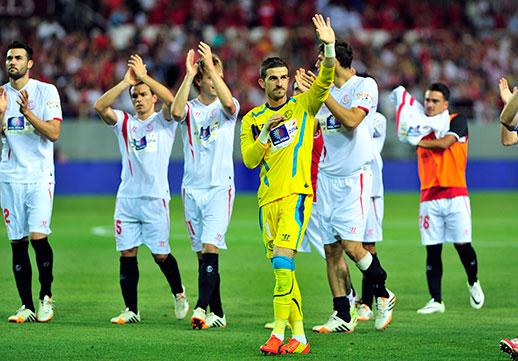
[(6, 216)]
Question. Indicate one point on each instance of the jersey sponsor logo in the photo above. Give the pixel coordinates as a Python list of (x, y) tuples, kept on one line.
[(288, 114), (16, 123), (413, 131), (279, 135), (53, 104), (332, 123), (205, 133), (364, 97), (283, 135), (140, 144), (328, 123)]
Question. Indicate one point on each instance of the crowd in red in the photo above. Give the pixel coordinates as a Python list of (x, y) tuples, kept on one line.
[(468, 45)]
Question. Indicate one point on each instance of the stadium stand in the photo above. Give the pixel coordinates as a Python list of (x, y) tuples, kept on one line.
[(467, 44)]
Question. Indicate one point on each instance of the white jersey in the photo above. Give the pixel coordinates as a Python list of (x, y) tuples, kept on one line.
[(378, 131), (27, 156), (145, 146), (345, 152), (208, 144)]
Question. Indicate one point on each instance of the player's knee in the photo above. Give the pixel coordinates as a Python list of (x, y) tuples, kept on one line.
[(209, 248), (333, 251), (132, 252), (17, 241), (459, 246), (160, 258), (354, 250), (370, 247)]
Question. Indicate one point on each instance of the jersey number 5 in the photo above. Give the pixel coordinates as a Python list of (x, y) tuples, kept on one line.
[(118, 228)]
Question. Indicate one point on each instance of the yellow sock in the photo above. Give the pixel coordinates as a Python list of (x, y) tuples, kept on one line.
[(282, 295), (296, 316)]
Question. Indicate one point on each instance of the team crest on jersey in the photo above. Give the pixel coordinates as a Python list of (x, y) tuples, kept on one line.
[(346, 100), (16, 123), (288, 114), (140, 144)]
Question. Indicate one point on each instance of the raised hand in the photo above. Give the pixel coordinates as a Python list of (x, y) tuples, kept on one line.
[(206, 54), (130, 77), (191, 67), (3, 100), (23, 101), (136, 64), (505, 92), (323, 28), (273, 121), (304, 79)]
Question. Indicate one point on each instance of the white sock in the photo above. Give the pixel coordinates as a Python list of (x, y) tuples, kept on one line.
[(352, 298), (280, 336), (301, 338)]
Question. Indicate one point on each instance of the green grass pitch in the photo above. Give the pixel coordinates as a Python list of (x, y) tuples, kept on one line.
[(86, 292)]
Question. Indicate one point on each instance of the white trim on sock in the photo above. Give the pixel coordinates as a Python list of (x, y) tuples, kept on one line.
[(365, 262)]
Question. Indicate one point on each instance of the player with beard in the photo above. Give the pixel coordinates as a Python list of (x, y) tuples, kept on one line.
[(30, 111)]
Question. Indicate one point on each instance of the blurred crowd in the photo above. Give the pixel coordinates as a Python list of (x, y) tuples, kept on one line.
[(84, 46)]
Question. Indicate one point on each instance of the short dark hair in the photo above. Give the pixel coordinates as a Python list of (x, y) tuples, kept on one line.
[(271, 62), (201, 70), (344, 53), (19, 45), (139, 83), (442, 88)]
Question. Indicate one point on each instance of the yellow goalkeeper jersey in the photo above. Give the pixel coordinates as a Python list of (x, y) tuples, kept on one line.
[(285, 160)]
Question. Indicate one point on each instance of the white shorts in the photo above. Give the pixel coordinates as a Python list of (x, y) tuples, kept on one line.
[(27, 208), (313, 235), (343, 205), (207, 214), (374, 231), (141, 221), (445, 220)]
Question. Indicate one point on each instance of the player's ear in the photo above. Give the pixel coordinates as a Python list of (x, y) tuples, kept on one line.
[(30, 63), (261, 82), (445, 105)]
